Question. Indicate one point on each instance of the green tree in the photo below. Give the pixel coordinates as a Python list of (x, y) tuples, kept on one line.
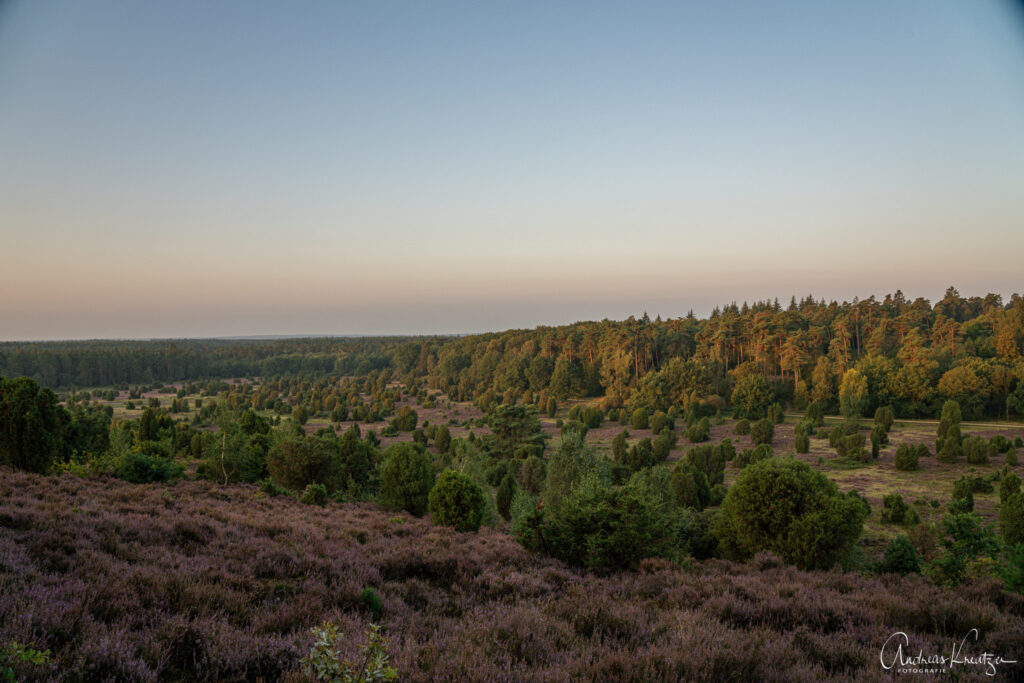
[(762, 432), (1011, 519), (752, 396), (784, 506), (854, 396), (30, 425), (690, 486), (405, 420), (801, 438), (620, 447), (515, 431), (295, 463), (1008, 485), (900, 557), (457, 501), (442, 439), (148, 430), (406, 478), (605, 528), (905, 458), (640, 419), (506, 492)]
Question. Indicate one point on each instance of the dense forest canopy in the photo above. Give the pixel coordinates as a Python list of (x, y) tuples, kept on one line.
[(911, 355)]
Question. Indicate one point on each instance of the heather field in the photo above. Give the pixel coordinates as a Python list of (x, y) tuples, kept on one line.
[(192, 580)]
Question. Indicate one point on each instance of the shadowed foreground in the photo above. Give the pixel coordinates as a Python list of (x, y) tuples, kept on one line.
[(145, 582)]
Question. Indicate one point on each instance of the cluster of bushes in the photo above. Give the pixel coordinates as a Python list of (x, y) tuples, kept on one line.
[(584, 518), (848, 441)]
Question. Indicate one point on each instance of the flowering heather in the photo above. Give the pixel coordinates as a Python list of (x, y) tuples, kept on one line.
[(197, 581)]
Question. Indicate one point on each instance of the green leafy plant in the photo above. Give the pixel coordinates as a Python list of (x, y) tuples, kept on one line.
[(324, 662), (13, 653), (314, 494)]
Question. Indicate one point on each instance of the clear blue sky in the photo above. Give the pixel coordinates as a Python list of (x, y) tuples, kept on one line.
[(227, 168)]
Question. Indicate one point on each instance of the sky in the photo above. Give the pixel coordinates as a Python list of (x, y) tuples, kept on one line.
[(199, 169)]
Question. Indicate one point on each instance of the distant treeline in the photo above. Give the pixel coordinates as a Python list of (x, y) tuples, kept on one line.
[(911, 355), (109, 363)]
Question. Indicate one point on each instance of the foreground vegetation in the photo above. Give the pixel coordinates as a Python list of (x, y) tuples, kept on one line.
[(196, 580)]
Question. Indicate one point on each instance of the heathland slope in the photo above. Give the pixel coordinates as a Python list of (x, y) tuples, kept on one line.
[(196, 581)]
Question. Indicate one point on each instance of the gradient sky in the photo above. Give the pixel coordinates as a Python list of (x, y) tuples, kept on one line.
[(197, 168)]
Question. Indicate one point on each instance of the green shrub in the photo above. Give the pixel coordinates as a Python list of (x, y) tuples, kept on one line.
[(801, 437), (269, 488), (879, 438), (762, 432), (975, 450), (1011, 458), (140, 468), (663, 445), (457, 501), (372, 602), (948, 446), (905, 458), (296, 462), (728, 451), (896, 511), (749, 456), (965, 487), (900, 557), (965, 538), (503, 498), (816, 413), (784, 506), (1009, 485), (1011, 519), (699, 431), (405, 419), (14, 655), (530, 476), (606, 528), (743, 427), (852, 446), (640, 419), (718, 493), (323, 662), (640, 455), (1012, 571), (576, 427), (700, 537), (690, 486), (314, 494), (963, 496), (551, 406), (710, 460), (660, 422), (406, 478), (1000, 444), (884, 418)]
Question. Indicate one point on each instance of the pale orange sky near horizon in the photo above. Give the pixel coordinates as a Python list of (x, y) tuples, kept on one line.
[(179, 171)]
